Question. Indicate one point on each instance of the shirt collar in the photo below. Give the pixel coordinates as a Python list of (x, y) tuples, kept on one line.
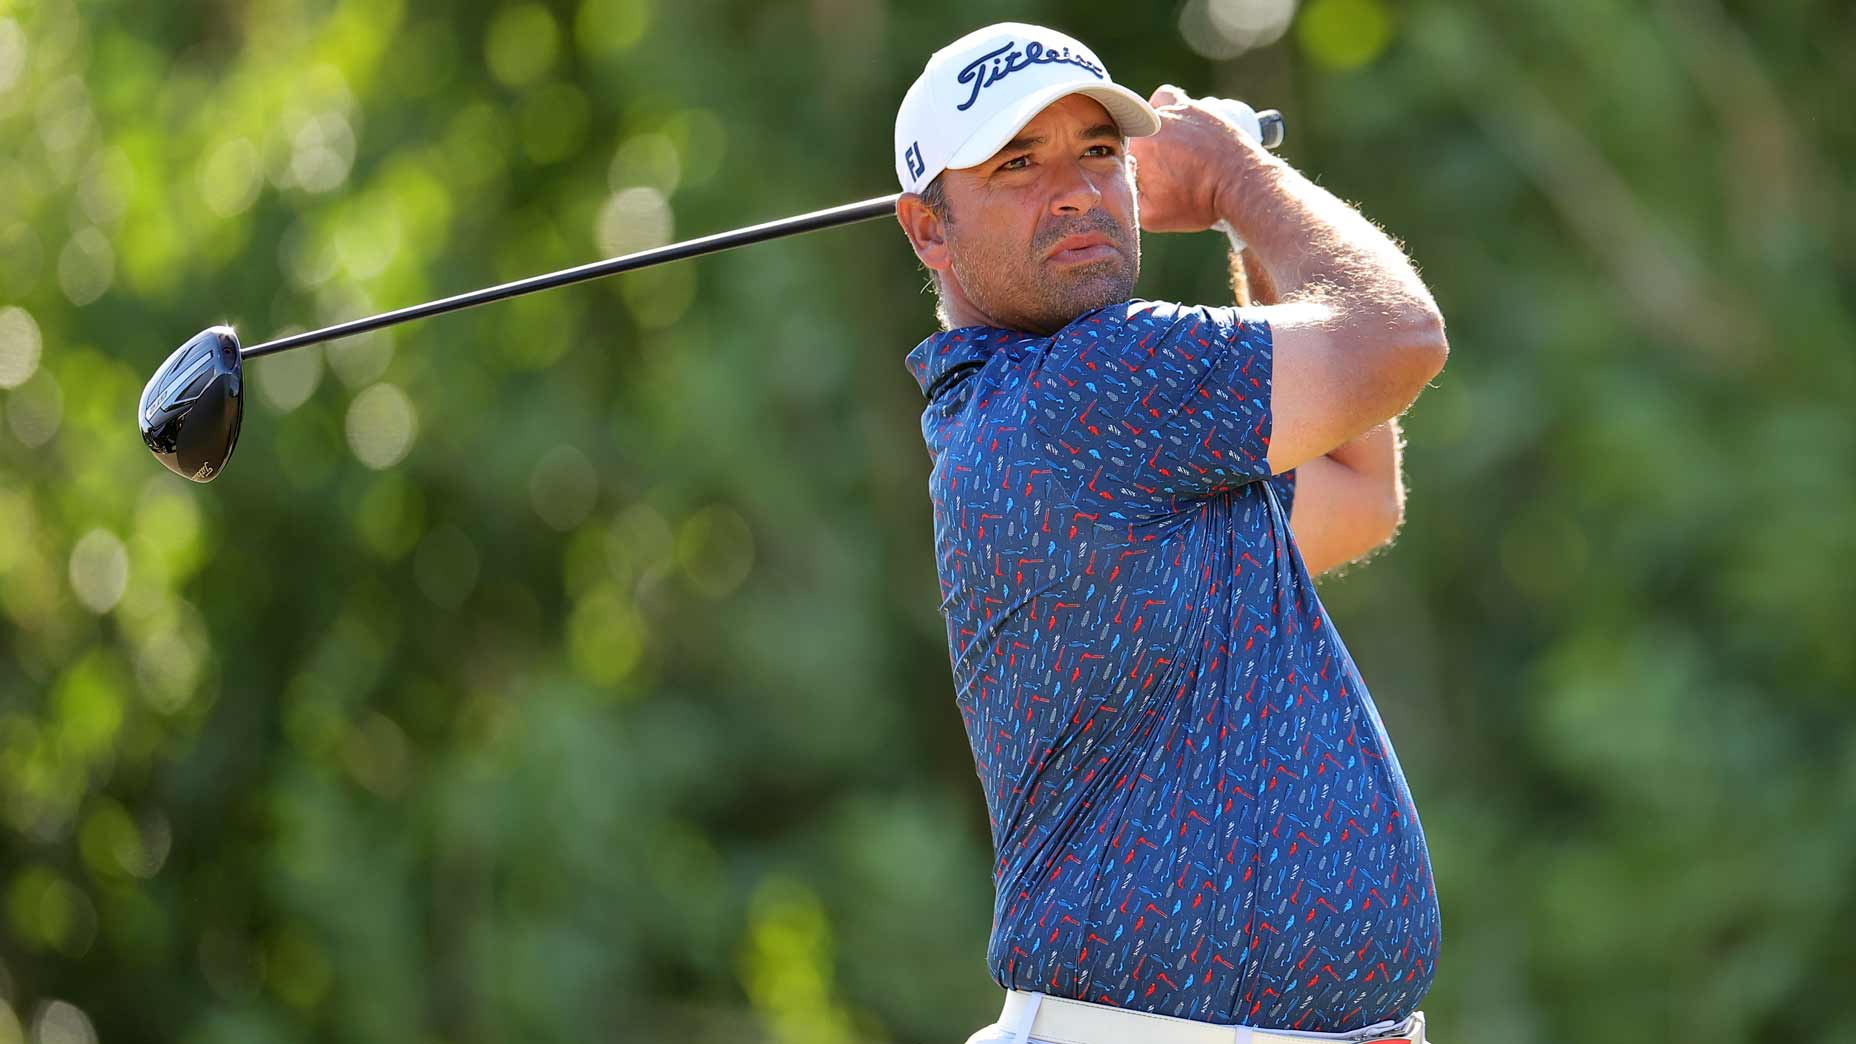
[(941, 353)]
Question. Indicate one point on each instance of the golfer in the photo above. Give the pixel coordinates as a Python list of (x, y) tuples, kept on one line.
[(1201, 831)]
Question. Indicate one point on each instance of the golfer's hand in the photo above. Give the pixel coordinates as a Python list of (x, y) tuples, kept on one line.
[(1182, 170)]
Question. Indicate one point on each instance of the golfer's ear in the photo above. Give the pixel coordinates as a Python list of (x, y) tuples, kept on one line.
[(925, 231)]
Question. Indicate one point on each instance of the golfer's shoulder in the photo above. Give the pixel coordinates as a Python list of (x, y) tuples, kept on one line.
[(1151, 324)]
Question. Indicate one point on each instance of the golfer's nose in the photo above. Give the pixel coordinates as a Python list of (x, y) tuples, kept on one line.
[(1073, 192)]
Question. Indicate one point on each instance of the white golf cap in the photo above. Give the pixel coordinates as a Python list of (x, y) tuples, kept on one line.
[(979, 91)]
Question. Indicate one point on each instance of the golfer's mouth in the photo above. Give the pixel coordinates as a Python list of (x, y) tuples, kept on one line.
[(1078, 249)]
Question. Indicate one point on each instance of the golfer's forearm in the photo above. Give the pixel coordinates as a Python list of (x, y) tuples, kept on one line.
[(1375, 456), (1374, 453), (1311, 246)]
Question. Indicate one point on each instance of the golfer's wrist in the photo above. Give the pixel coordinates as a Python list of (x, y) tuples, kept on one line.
[(1244, 178)]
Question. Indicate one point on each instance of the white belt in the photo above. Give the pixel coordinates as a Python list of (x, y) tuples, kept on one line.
[(1060, 1020)]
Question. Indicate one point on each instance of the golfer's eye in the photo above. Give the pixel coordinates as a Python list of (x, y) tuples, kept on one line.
[(1016, 163), (1100, 150)]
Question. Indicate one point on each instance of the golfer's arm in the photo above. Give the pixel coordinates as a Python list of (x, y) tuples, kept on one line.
[(1351, 500), (1356, 334)]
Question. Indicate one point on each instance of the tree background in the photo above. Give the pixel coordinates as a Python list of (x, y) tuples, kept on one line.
[(571, 669)]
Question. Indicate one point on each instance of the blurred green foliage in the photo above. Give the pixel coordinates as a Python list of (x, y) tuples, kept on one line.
[(570, 669)]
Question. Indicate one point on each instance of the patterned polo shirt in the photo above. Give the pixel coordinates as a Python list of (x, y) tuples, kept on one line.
[(1195, 808)]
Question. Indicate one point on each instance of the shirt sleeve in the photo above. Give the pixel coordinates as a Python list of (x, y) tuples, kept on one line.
[(1158, 401), (1284, 485)]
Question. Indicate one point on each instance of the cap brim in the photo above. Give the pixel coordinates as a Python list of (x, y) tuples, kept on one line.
[(1129, 110)]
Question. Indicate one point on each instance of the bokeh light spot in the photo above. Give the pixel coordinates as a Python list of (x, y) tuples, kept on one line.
[(645, 159), (49, 912), (61, 1023), (171, 658), (657, 297), (634, 219), (306, 257), (390, 517), (536, 331), (168, 530), (109, 841), (229, 177), (12, 53), (381, 426), (1344, 34), (86, 266), (608, 27), (522, 44), (65, 117), (701, 140), (20, 345), (288, 379), (35, 410), (32, 592), (476, 145), (1223, 29), (322, 152), (715, 549), (99, 570), (374, 751), (562, 487), (11, 1032), (21, 256), (366, 239), (605, 636), (17, 522), (361, 360), (107, 178), (639, 546), (786, 964), (90, 704)]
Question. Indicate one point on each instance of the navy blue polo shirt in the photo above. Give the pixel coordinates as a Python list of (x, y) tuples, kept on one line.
[(1195, 808)]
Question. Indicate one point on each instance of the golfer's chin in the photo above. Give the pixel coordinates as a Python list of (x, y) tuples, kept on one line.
[(1045, 298), (1075, 289)]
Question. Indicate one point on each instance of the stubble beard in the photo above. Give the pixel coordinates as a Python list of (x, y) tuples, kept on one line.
[(1031, 294)]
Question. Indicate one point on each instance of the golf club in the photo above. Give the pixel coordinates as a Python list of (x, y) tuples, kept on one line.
[(193, 406)]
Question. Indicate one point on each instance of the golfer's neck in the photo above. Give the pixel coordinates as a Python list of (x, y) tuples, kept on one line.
[(961, 311)]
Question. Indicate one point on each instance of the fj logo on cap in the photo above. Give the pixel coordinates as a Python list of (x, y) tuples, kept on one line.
[(1006, 61), (913, 157)]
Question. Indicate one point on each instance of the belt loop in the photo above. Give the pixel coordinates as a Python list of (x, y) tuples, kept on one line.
[(1021, 1033), (1240, 1035)]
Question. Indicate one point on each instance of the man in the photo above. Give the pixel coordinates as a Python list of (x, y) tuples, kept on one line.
[(1201, 830)]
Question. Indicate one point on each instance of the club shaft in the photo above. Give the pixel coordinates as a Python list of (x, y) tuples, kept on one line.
[(1271, 122), (810, 222)]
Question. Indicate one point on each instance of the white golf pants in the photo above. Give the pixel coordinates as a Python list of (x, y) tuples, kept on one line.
[(1035, 1018)]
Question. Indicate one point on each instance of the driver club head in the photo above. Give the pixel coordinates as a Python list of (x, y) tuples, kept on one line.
[(192, 406)]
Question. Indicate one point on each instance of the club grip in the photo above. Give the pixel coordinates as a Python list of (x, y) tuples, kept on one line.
[(1270, 123), (1265, 127)]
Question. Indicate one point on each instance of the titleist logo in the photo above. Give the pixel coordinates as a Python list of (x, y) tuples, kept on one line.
[(1005, 61)]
